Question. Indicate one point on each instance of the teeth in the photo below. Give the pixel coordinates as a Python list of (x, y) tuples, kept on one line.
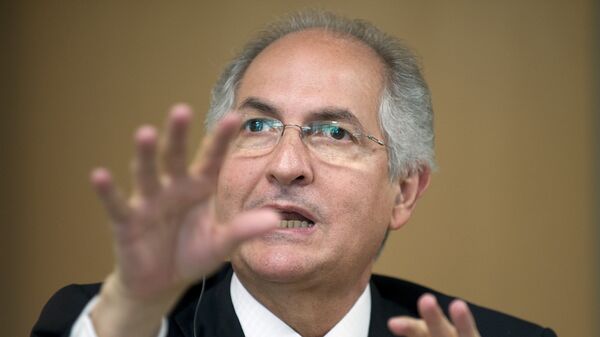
[(293, 224)]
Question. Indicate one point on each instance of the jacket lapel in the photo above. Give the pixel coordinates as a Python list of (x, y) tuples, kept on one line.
[(382, 309), (215, 317)]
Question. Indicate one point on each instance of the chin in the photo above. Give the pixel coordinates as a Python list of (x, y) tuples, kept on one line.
[(275, 264)]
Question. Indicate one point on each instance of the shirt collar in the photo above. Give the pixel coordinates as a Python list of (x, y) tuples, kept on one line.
[(257, 321)]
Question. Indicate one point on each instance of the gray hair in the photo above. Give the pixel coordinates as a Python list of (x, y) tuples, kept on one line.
[(405, 112)]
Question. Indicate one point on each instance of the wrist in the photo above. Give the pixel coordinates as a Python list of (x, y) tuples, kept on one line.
[(121, 313)]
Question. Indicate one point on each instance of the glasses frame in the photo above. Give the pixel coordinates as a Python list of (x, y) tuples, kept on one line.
[(305, 129)]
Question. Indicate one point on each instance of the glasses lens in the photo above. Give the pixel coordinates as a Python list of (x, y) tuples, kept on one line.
[(335, 142), (258, 134)]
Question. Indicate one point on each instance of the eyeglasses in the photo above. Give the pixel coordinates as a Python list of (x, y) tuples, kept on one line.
[(333, 141)]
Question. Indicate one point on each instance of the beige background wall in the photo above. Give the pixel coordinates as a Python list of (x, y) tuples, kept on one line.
[(508, 221)]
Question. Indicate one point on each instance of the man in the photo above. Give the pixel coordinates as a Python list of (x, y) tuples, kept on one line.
[(321, 143)]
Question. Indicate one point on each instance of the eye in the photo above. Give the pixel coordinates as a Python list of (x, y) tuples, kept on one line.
[(256, 125), (333, 131), (337, 133)]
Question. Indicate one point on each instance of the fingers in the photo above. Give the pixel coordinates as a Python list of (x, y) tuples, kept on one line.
[(463, 319), (206, 164), (210, 156), (436, 321), (174, 156), (145, 170), (111, 199)]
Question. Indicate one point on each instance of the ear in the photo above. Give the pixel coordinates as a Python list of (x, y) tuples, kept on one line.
[(409, 189)]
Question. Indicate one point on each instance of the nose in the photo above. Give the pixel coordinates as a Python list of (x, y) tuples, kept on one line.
[(290, 162)]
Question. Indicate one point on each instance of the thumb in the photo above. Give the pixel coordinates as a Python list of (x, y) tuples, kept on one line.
[(248, 225)]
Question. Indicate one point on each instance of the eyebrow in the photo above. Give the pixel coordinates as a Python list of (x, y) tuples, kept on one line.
[(323, 114), (261, 106), (335, 114)]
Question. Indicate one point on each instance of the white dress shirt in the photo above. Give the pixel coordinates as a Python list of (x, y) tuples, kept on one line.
[(258, 321), (255, 319)]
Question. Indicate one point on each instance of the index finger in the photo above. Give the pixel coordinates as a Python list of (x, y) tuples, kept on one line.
[(211, 154)]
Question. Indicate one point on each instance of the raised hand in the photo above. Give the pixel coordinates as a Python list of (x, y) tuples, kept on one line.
[(166, 236), (434, 323)]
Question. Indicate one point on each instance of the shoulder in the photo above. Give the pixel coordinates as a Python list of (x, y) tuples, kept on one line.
[(400, 296), (63, 308)]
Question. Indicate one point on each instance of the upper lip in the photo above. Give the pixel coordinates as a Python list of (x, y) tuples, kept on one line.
[(290, 208)]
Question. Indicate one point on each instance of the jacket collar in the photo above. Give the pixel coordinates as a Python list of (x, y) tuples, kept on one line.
[(216, 316)]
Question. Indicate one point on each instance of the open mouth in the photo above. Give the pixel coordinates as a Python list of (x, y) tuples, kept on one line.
[(294, 220)]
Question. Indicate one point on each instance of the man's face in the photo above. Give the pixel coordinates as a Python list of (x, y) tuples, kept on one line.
[(297, 78)]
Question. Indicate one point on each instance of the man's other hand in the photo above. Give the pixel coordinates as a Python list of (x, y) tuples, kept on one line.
[(434, 323)]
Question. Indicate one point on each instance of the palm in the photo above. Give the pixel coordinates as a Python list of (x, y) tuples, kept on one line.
[(164, 244)]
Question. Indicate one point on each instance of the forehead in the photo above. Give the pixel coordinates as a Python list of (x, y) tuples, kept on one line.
[(313, 70)]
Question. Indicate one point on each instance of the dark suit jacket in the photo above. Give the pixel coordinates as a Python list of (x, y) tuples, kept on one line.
[(216, 316)]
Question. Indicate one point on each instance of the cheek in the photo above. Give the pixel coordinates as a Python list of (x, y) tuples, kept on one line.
[(357, 190), (363, 202)]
